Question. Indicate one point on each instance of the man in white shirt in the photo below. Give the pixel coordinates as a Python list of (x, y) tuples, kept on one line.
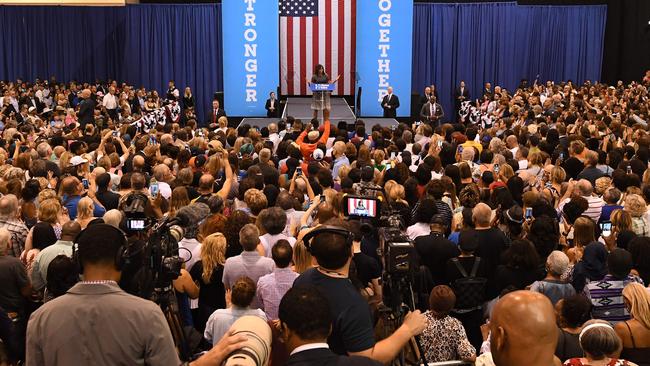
[(274, 136), (172, 92), (109, 102)]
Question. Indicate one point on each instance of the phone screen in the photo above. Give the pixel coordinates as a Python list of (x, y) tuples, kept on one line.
[(529, 213), (606, 228), (85, 183)]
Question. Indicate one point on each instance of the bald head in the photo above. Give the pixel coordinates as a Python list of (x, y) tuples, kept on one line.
[(8, 206), (585, 188), (70, 230), (206, 182), (523, 330), (138, 162), (481, 214)]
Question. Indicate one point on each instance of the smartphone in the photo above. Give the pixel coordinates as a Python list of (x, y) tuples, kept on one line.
[(629, 169), (460, 149), (439, 143), (85, 183), (529, 213), (561, 157), (388, 165), (393, 155), (298, 171), (115, 133), (496, 168), (154, 189), (606, 228)]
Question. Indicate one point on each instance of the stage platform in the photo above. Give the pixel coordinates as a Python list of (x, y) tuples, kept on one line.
[(300, 108)]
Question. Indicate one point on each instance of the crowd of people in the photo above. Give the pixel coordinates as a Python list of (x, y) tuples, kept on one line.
[(531, 230)]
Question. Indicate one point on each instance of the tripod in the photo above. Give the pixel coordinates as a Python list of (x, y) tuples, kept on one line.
[(402, 291), (165, 297)]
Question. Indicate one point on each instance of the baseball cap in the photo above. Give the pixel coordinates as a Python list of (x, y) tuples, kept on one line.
[(318, 154), (246, 149), (77, 160)]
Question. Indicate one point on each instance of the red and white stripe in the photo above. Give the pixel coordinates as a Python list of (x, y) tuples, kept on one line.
[(328, 39)]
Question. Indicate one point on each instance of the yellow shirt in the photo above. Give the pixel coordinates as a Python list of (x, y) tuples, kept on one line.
[(472, 143)]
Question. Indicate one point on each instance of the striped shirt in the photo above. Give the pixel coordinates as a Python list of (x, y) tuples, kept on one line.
[(606, 296), (593, 211), (272, 287)]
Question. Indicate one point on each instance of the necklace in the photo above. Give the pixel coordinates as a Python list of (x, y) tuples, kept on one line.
[(331, 273)]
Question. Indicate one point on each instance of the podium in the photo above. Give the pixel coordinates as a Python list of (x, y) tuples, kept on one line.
[(322, 87)]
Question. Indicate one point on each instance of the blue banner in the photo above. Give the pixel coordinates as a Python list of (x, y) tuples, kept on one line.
[(251, 55), (384, 48)]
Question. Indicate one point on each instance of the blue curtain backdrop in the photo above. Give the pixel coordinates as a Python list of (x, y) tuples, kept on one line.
[(145, 45), (502, 43)]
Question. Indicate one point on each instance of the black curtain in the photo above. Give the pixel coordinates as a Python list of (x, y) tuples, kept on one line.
[(627, 40)]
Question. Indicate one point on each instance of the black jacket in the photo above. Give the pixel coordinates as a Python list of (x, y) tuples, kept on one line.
[(393, 103), (325, 357), (272, 113), (86, 111)]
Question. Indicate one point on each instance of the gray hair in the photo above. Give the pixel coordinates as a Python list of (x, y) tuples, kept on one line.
[(249, 237), (557, 263), (113, 217), (8, 206)]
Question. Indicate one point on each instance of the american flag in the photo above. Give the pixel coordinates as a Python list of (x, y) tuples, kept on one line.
[(317, 32)]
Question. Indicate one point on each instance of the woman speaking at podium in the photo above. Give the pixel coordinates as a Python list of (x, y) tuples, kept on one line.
[(321, 99)]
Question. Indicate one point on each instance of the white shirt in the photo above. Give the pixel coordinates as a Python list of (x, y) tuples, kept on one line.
[(109, 101), (268, 241), (194, 248), (307, 347), (418, 229)]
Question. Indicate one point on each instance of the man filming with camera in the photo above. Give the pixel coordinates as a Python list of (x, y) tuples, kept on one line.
[(108, 326), (352, 325)]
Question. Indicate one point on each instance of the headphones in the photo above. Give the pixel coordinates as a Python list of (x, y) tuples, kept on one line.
[(327, 229), (122, 257)]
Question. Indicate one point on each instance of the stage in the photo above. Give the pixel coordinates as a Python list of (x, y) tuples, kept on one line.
[(300, 108)]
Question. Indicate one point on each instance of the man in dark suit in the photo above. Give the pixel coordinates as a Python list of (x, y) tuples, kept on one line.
[(86, 112), (390, 103), (487, 91), (425, 98), (432, 112), (215, 113), (461, 94), (32, 101), (305, 324), (272, 106)]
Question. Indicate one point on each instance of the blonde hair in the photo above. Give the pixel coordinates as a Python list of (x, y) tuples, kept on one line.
[(48, 210), (639, 299), (558, 175), (302, 260), (213, 254), (635, 205), (602, 184), (85, 208), (621, 219), (396, 193)]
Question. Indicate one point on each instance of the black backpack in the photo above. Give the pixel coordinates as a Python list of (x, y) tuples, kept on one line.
[(469, 290)]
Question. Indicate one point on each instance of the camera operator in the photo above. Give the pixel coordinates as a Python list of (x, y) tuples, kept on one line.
[(112, 327), (352, 327), (304, 326)]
